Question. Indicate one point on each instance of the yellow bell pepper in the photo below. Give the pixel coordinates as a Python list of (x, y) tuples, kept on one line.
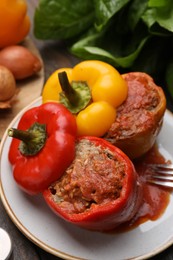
[(95, 89), (14, 22)]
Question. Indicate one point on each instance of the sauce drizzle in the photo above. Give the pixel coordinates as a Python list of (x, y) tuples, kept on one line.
[(155, 198)]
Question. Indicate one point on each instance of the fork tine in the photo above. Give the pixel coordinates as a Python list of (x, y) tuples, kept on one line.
[(162, 183), (161, 166), (170, 173), (162, 177)]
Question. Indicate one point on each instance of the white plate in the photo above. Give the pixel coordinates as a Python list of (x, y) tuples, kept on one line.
[(37, 222)]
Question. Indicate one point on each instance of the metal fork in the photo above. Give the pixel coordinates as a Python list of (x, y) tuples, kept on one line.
[(163, 175)]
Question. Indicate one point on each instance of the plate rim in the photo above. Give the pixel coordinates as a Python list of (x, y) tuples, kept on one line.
[(33, 238)]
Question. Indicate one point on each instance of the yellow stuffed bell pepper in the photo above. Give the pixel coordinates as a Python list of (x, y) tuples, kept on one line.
[(92, 90), (14, 22)]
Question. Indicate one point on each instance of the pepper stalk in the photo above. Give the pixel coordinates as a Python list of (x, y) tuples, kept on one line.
[(32, 140), (75, 96)]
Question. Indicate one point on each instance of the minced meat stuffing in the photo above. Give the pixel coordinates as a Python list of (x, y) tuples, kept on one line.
[(95, 177), (142, 94), (135, 115)]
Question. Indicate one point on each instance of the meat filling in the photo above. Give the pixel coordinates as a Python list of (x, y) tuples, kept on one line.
[(95, 177), (135, 115), (143, 93)]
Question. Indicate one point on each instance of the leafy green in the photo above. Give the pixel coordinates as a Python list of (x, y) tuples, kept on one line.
[(105, 9), (129, 34), (60, 19), (94, 47), (136, 10), (161, 14)]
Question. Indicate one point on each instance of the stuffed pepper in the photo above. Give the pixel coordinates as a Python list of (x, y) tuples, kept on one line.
[(139, 119), (99, 190)]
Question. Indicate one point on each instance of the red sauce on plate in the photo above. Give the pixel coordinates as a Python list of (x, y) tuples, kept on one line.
[(155, 198)]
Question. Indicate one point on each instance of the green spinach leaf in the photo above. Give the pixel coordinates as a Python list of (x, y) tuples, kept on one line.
[(62, 19), (106, 9)]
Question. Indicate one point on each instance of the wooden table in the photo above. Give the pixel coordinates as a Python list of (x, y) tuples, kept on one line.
[(54, 55)]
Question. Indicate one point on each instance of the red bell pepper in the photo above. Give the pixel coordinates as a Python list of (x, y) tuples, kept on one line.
[(43, 146), (100, 189)]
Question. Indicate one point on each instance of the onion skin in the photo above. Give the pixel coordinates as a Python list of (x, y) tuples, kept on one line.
[(20, 61), (7, 84)]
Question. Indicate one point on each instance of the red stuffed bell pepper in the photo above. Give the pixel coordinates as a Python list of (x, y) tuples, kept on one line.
[(47, 148), (100, 189)]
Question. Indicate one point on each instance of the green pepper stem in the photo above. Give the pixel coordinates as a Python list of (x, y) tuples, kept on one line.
[(69, 92), (24, 136), (32, 140)]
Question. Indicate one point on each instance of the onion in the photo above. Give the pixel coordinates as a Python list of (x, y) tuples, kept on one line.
[(7, 84), (20, 61)]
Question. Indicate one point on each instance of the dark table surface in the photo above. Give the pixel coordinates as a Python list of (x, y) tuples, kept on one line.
[(54, 55)]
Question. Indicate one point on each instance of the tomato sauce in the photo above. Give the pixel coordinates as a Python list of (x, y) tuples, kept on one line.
[(155, 198)]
